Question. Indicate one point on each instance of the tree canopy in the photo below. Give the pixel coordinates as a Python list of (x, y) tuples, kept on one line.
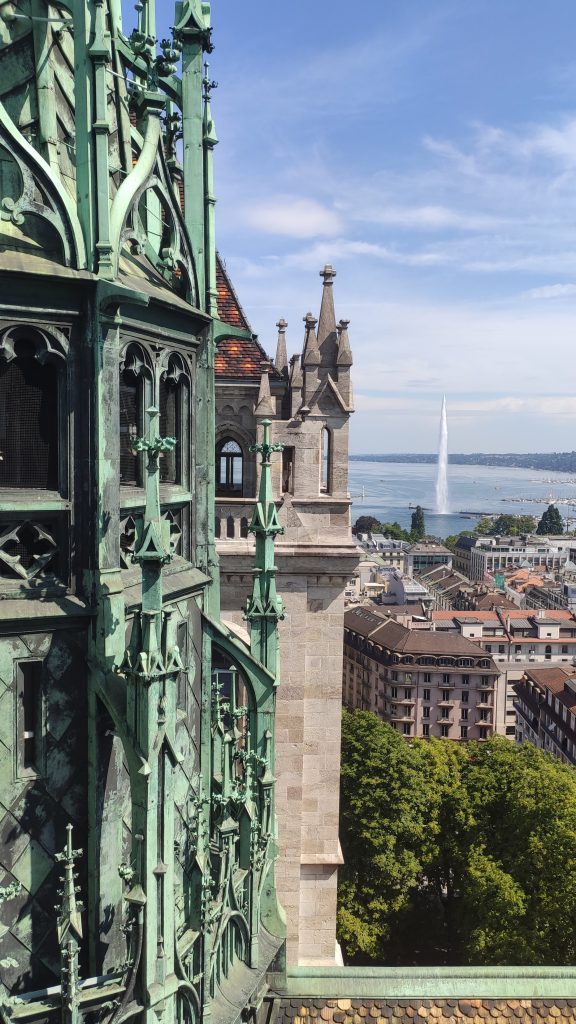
[(418, 525), (551, 521), (369, 524), (454, 853), (505, 525)]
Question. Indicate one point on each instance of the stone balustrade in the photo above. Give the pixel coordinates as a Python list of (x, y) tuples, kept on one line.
[(232, 519)]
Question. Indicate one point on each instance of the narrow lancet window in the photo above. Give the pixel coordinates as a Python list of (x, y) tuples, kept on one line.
[(326, 459)]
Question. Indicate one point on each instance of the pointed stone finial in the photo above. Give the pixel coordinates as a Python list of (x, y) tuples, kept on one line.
[(296, 378), (328, 274), (281, 361), (327, 339), (264, 405), (310, 355), (344, 357)]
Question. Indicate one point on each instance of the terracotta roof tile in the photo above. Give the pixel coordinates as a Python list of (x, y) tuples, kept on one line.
[(229, 309), (439, 1011), (239, 358)]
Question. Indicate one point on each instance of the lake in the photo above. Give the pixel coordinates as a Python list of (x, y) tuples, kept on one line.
[(391, 487)]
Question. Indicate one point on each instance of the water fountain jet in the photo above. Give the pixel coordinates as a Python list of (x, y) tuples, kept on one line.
[(442, 476)]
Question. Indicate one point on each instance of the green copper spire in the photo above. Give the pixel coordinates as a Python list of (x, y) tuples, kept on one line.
[(210, 140), (264, 607), (151, 672), (69, 934)]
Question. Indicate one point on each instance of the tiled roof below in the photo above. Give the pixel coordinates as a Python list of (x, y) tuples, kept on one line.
[(437, 1011), (238, 358), (229, 309)]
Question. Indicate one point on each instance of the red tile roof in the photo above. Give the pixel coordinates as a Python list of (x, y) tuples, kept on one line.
[(487, 616), (239, 358), (229, 309)]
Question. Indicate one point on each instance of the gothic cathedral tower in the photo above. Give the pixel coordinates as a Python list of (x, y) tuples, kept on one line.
[(309, 400), (137, 735)]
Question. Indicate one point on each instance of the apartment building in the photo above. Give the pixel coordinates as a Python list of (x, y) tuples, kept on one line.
[(423, 682), (546, 710), (516, 640), (491, 555)]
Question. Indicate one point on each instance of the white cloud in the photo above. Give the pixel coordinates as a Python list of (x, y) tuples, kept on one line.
[(551, 291), (431, 218), (297, 218)]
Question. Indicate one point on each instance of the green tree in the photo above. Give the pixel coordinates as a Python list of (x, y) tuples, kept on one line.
[(551, 522), (367, 524), (418, 526), (395, 531), (455, 853), (505, 525), (513, 525), (484, 526), (384, 812), (451, 541)]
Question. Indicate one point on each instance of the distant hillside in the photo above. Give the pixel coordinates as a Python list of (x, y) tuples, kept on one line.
[(560, 462)]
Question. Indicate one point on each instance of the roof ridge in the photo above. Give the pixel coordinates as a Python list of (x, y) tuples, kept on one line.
[(221, 269)]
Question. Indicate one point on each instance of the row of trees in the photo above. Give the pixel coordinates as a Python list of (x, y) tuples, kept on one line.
[(369, 524), (505, 525), (454, 853), (550, 523)]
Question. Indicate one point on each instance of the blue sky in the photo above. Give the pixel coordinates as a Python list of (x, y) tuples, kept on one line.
[(427, 149)]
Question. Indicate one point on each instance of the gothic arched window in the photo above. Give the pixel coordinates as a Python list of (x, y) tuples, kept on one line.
[(326, 461), (29, 421), (134, 385), (173, 404), (229, 467)]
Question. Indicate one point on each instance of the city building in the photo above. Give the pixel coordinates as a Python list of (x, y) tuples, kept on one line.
[(423, 682), (403, 589), (493, 555), (390, 551), (546, 710), (447, 587), (425, 555)]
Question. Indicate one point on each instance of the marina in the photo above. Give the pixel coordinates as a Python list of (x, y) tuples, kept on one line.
[(391, 491)]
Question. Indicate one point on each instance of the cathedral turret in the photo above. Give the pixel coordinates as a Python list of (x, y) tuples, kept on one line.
[(281, 361), (264, 405), (327, 335), (344, 362), (310, 361), (296, 380)]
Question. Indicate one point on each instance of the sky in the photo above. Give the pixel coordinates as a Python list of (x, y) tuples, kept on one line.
[(427, 150)]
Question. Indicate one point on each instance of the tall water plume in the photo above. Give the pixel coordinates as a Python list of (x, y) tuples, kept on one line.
[(442, 476)]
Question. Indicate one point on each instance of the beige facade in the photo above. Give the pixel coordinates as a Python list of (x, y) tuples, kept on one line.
[(422, 682), (309, 407)]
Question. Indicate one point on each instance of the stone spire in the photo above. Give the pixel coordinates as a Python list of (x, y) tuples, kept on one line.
[(310, 354), (296, 382), (343, 364), (310, 363), (344, 357), (264, 406), (327, 338), (281, 361)]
